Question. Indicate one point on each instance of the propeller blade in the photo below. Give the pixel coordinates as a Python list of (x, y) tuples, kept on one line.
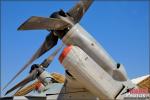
[(50, 41), (35, 22), (48, 61), (28, 79), (79, 9)]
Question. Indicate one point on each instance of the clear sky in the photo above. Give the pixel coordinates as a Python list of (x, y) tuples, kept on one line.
[(121, 27)]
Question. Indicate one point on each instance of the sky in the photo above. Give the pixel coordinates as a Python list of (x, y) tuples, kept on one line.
[(121, 27)]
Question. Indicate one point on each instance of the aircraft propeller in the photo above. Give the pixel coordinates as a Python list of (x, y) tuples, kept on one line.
[(58, 24), (35, 71)]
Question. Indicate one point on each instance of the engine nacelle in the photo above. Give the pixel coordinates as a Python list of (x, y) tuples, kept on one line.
[(79, 37), (88, 73)]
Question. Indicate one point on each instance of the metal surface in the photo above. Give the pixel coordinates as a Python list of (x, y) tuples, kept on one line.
[(27, 89), (79, 37), (79, 10), (45, 78), (90, 74), (48, 61), (26, 80), (58, 77), (24, 98), (36, 22), (59, 24), (44, 64)]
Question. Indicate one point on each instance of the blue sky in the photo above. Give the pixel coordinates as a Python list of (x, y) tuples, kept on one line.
[(121, 27)]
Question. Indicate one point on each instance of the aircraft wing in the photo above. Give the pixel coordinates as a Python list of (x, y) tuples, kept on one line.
[(142, 82), (67, 88), (71, 90)]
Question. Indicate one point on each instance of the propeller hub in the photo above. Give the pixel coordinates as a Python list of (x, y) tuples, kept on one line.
[(38, 68), (54, 15)]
